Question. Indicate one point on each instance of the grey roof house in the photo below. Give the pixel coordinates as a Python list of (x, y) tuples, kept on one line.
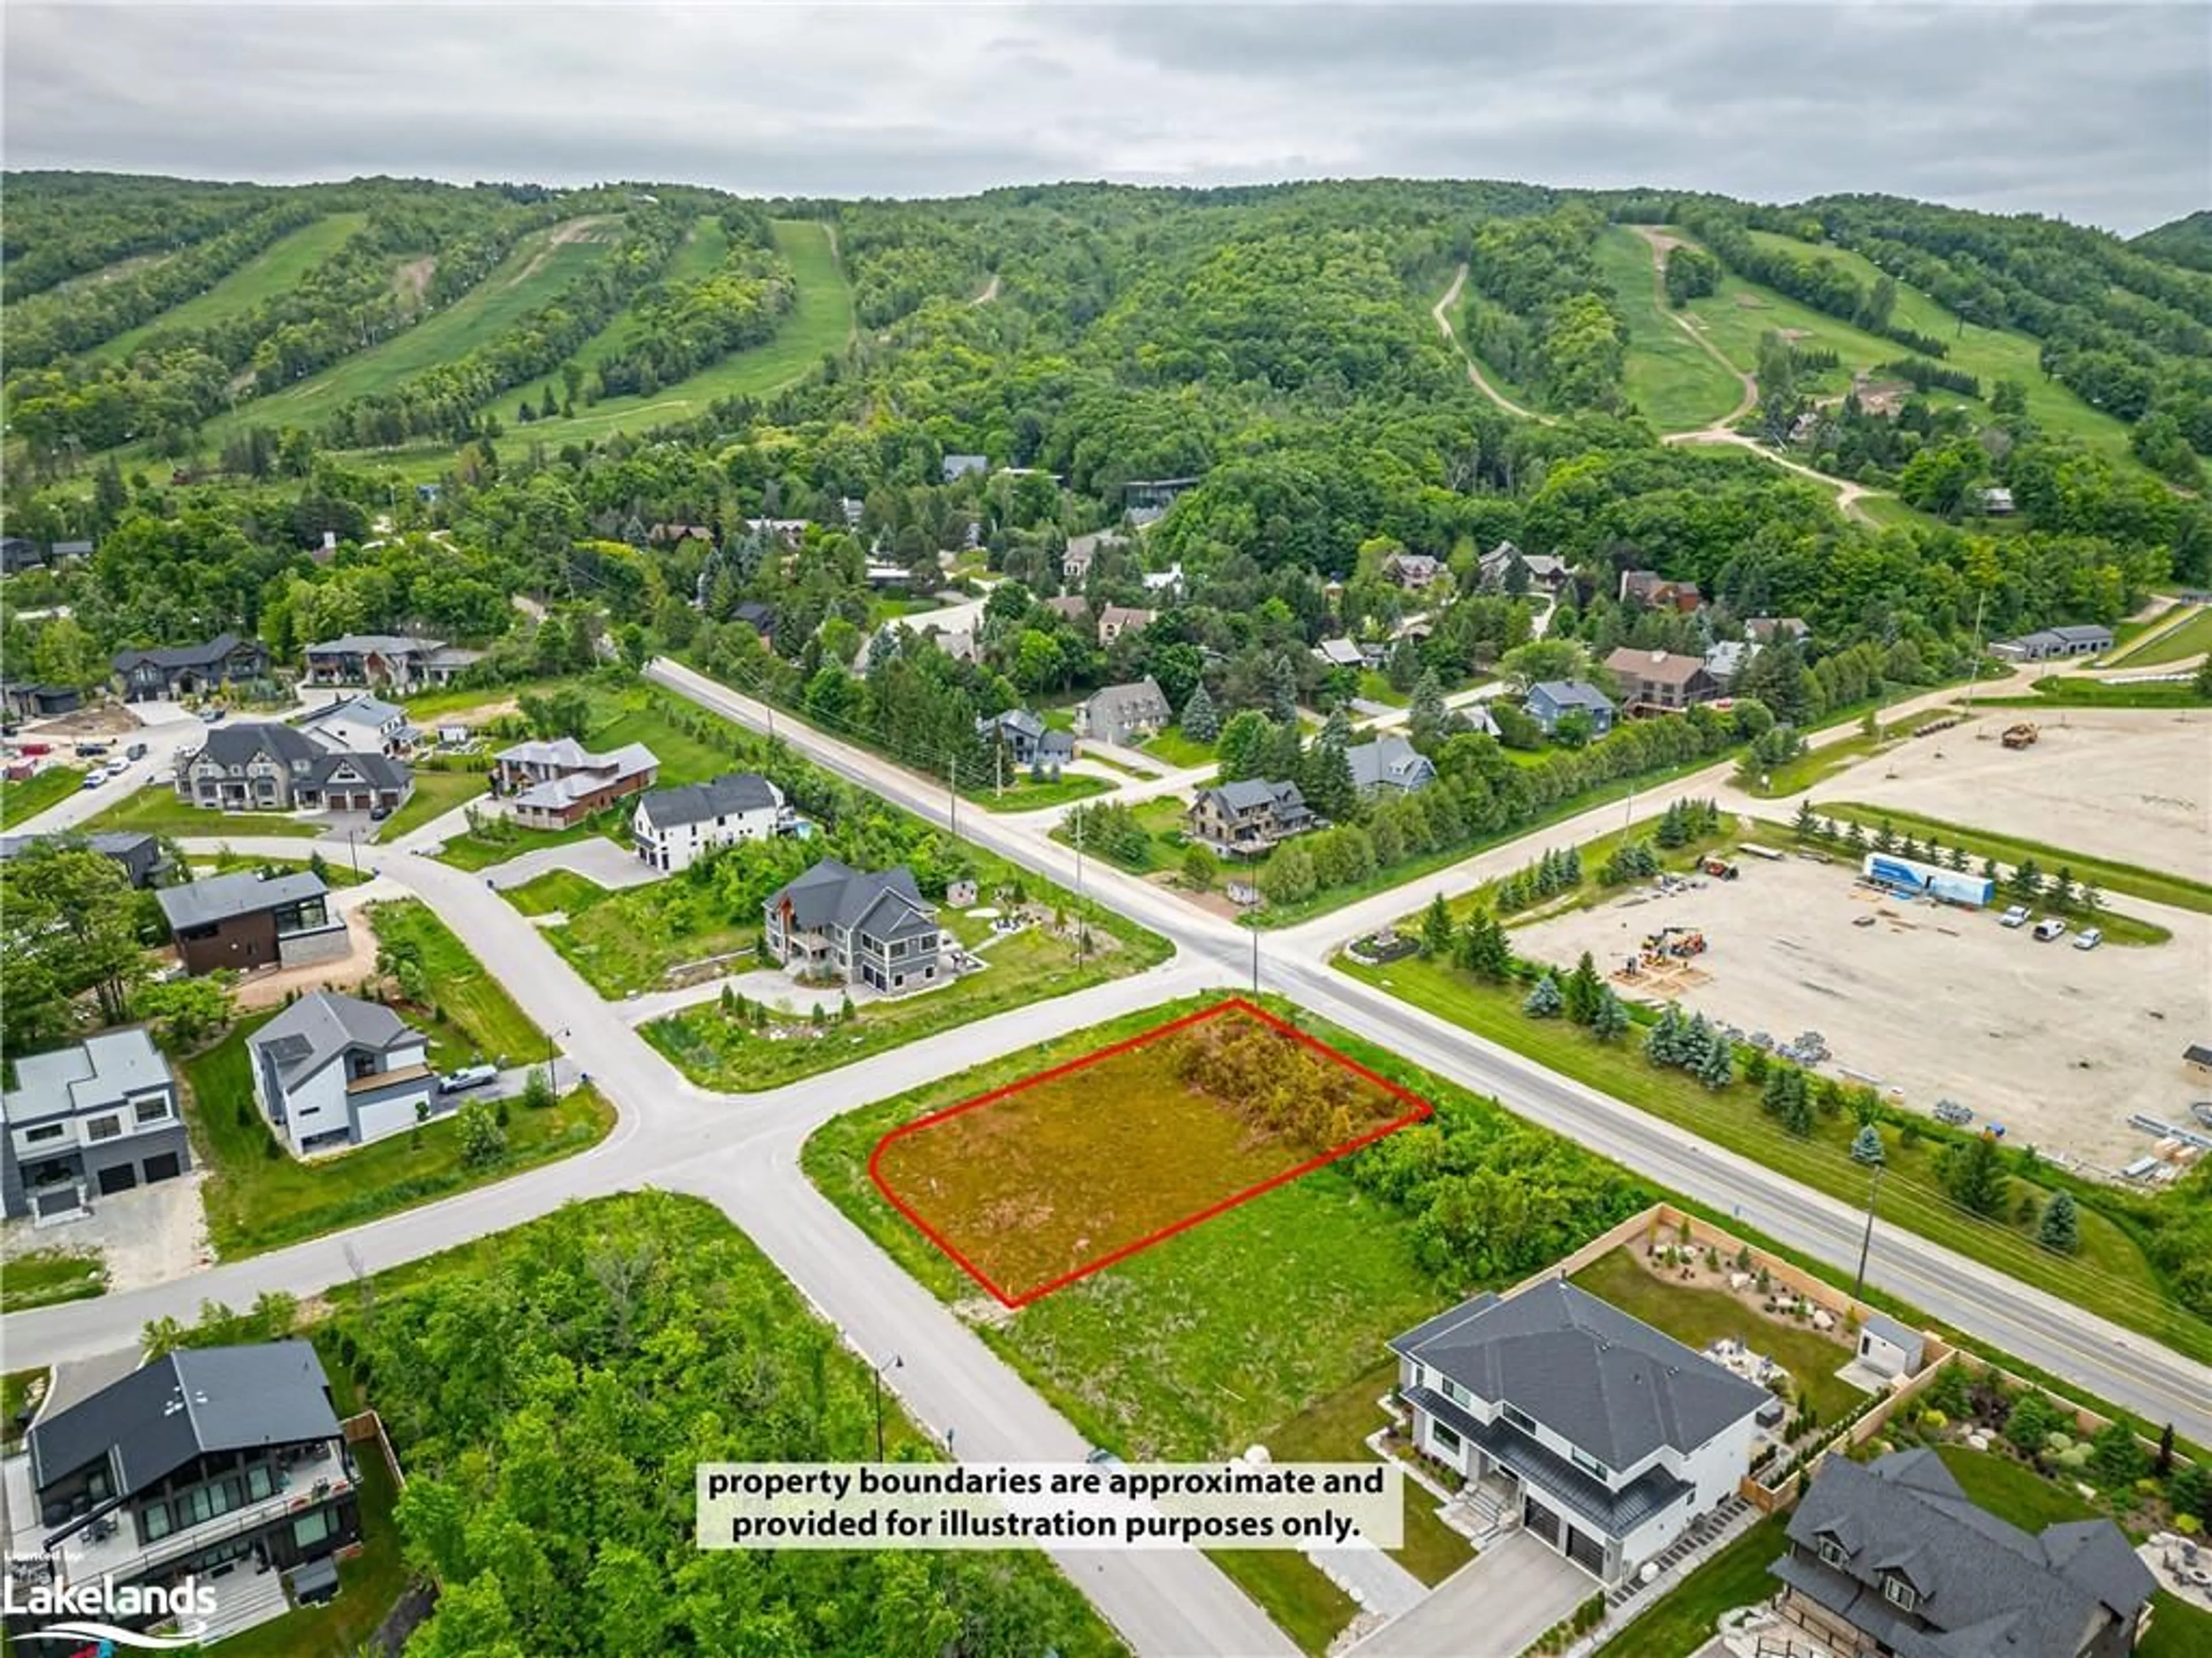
[(242, 921), (1892, 1557), (842, 925), (1552, 700), (1119, 713), (2049, 642), (90, 1119), (332, 1071), (1028, 740), (262, 766), (170, 671), (1389, 764), (673, 829), (1604, 1436), (139, 854), (1248, 817)]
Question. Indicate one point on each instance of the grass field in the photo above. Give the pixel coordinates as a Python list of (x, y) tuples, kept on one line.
[(2060, 690), (155, 810), (2013, 1492), (716, 1051), (1679, 388), (21, 802), (436, 794), (483, 1020), (2110, 1275), (2177, 1630), (1696, 1318), (2159, 886), (629, 941), (542, 264), (820, 322), (2191, 636), (39, 1278), (1171, 747), (258, 1198), (1034, 1186), (1026, 796), (267, 274)]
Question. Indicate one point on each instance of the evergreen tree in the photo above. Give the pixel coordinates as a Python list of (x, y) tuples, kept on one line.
[(1582, 990), (1958, 859), (1663, 1046), (1281, 680), (2061, 1230), (2091, 900), (1718, 1069), (1698, 1039), (1425, 722), (2026, 883), (1611, 1019), (1867, 1147), (1436, 928), (1974, 1176), (1328, 782), (1673, 831), (1854, 837), (1797, 1109), (1544, 1001), (1988, 871), (1807, 823), (2063, 892), (1202, 721), (1884, 837)]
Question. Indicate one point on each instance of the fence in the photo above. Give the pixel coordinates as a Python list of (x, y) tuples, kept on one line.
[(367, 1425)]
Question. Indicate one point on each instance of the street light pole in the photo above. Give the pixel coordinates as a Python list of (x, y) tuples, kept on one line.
[(1256, 960), (877, 1370), (1866, 1244), (353, 846)]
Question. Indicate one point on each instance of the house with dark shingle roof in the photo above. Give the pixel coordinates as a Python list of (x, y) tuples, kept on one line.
[(1892, 1557), (1606, 1436), (262, 766), (170, 671), (204, 1454), (1027, 740), (840, 924), (675, 828), (1389, 763), (1121, 713), (1247, 818), (1550, 701)]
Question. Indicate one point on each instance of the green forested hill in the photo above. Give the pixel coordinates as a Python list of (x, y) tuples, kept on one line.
[(2182, 241)]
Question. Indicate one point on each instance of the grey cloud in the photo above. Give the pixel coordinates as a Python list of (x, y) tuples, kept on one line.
[(2101, 114)]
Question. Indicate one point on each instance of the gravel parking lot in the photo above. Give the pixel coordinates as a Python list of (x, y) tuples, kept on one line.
[(2059, 1045), (2133, 784)]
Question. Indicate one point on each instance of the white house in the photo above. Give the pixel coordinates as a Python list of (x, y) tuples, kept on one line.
[(1608, 1437), (333, 1071), (358, 725), (676, 827)]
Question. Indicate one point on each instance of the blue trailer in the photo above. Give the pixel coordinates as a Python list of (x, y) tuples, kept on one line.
[(1952, 886)]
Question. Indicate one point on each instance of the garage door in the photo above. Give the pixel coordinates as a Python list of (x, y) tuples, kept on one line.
[(1588, 1552), (165, 1167), (1542, 1521), (121, 1178)]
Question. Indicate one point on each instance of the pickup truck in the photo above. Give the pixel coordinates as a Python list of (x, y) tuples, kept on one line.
[(2016, 916), (468, 1076), (2049, 927)]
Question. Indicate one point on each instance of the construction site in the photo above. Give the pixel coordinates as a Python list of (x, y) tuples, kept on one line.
[(1927, 1001)]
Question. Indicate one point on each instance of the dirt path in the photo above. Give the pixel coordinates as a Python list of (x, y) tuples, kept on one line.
[(1451, 294), (1659, 243), (990, 291), (412, 279), (568, 230)]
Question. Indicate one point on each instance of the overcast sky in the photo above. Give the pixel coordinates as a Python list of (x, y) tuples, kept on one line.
[(2101, 114)]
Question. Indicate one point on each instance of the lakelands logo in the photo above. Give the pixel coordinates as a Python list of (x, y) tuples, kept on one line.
[(79, 1614)]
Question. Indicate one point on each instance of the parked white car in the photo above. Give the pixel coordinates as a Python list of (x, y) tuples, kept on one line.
[(2016, 916), (2089, 938)]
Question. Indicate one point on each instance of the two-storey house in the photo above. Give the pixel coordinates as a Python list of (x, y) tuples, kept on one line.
[(1123, 713), (1027, 740), (260, 766), (359, 724), (1249, 817), (169, 672), (1550, 701), (1659, 682), (401, 661), (1389, 765), (97, 1117), (333, 1071), (242, 921), (1604, 1438), (842, 925), (673, 829), (558, 784)]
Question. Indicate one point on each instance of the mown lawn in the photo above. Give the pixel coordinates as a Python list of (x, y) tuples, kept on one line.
[(2014, 1492), (261, 1198), (2110, 1275), (1676, 386), (368, 1585), (155, 810), (719, 1051), (41, 1277), (1026, 796), (2177, 1630), (1688, 1616), (436, 794), (274, 270), (1696, 1318), (1176, 750), (2191, 636), (559, 891), (2159, 886), (21, 802), (478, 1009)]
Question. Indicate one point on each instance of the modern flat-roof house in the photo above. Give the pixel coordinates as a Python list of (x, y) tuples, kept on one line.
[(1606, 1437), (222, 1462), (334, 1071), (2049, 642), (1028, 740), (675, 828), (139, 854), (1552, 700), (1390, 765), (557, 784), (1890, 1557), (1123, 713), (359, 724), (95, 1118), (1659, 682), (169, 672), (1247, 818), (262, 766), (1649, 588), (399, 660), (243, 922), (842, 925)]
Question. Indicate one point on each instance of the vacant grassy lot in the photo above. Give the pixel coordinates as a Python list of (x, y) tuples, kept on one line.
[(2110, 1275), (261, 1198), (543, 264), (2191, 636), (1182, 752), (1026, 796), (1042, 1183), (717, 1051), (436, 794), (1696, 1318), (39, 1278), (560, 892), (479, 1012), (1679, 388), (2156, 885), (629, 941), (819, 324), (155, 810), (21, 802), (278, 267)]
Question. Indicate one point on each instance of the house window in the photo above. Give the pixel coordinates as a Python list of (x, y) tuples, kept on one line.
[(1454, 1392), (153, 1110), (45, 1131), (153, 1522), (312, 1528), (1589, 1464), (1444, 1437), (1834, 1553), (102, 1129), (1899, 1593), (1520, 1420), (259, 1482)]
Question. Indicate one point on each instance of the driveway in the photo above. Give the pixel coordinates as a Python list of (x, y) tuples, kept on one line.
[(598, 859), (1491, 1609)]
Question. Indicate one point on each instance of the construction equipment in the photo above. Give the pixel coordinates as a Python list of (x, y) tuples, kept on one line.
[(1718, 866), (1673, 944), (2021, 736)]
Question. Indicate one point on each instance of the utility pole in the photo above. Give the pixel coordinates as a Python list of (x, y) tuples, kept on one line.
[(1974, 676), (1082, 932), (1255, 959), (896, 1364), (353, 846), (1866, 1244), (952, 797)]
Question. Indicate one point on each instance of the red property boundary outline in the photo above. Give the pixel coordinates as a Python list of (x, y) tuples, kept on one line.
[(1419, 1110)]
